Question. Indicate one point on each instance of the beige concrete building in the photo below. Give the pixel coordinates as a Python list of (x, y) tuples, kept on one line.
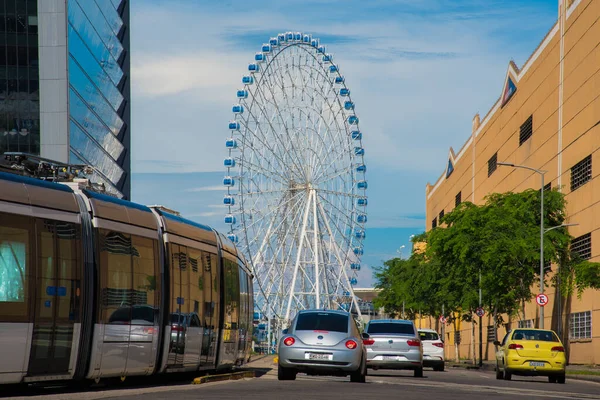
[(548, 118)]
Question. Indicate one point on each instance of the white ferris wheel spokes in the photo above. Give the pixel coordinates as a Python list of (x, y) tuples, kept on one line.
[(296, 179)]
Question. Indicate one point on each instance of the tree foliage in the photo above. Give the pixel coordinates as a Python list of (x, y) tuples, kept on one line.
[(497, 242)]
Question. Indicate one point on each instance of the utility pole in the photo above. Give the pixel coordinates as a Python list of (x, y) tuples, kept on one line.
[(480, 326)]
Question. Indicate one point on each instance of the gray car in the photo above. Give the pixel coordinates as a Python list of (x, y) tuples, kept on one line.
[(393, 344), (322, 342)]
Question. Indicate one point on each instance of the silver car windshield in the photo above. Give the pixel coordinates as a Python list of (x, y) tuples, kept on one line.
[(322, 322), (390, 327)]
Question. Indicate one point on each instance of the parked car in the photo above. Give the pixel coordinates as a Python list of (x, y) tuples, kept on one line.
[(393, 344), (531, 352), (433, 349), (322, 342)]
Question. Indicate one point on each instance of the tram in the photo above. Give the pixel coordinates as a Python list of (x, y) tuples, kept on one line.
[(92, 287)]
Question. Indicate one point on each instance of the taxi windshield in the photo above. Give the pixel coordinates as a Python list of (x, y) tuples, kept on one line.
[(532, 334)]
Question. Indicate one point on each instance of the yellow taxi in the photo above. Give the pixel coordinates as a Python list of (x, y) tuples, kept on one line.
[(531, 352)]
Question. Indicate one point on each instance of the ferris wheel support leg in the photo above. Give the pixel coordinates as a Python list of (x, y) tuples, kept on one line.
[(316, 249), (298, 256), (342, 265)]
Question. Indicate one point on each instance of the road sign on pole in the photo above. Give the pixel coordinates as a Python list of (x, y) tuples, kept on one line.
[(541, 299), (480, 312), (442, 319)]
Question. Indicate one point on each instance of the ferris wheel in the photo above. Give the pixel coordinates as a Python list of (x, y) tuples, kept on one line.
[(296, 186)]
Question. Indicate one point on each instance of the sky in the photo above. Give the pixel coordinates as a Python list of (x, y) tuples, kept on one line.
[(419, 70)]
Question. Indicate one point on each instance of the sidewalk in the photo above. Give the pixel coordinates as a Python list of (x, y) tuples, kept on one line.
[(261, 364), (581, 372)]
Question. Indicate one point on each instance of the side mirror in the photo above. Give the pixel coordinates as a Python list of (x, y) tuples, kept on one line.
[(365, 335), (285, 331), (497, 343)]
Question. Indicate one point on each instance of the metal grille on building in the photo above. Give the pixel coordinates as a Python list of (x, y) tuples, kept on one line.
[(581, 172), (492, 164), (491, 333), (526, 130), (582, 246)]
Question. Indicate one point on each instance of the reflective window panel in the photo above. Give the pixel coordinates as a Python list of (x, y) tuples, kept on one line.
[(19, 77)]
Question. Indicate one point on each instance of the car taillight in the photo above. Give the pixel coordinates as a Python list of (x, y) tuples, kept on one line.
[(368, 342), (558, 348), (176, 328), (289, 341), (351, 344), (514, 346), (440, 345), (414, 343)]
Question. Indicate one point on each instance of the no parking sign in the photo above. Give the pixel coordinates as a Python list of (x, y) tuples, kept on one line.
[(541, 299)]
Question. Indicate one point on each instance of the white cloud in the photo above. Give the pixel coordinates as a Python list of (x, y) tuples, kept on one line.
[(159, 74)]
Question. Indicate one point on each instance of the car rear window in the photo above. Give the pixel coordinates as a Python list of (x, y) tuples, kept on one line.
[(322, 322), (428, 336), (390, 327), (531, 334)]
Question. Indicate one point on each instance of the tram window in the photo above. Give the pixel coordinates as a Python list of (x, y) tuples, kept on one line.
[(196, 282), (69, 238), (115, 274), (15, 267), (180, 298), (47, 275), (146, 289)]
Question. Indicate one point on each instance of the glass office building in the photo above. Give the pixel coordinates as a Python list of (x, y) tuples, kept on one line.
[(65, 84), (19, 77)]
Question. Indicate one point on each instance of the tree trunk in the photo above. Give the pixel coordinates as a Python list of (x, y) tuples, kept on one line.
[(456, 357), (473, 350)]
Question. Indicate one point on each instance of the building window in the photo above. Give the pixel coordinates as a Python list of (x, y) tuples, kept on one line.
[(457, 199), (441, 215), (526, 130), (492, 164), (526, 324), (580, 325), (434, 223), (582, 246), (581, 172), (491, 333)]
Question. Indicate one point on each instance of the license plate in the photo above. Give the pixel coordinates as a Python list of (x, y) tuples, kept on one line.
[(319, 356), (393, 358), (537, 364)]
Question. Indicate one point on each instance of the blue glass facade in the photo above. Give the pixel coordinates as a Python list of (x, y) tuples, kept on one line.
[(98, 68)]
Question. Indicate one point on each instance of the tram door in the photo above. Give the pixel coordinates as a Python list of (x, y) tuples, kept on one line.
[(179, 313), (209, 266), (57, 297)]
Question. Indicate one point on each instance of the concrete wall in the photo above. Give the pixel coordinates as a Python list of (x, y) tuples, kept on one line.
[(54, 118)]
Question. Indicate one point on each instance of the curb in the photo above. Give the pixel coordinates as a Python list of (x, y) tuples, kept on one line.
[(224, 377), (491, 367), (589, 378)]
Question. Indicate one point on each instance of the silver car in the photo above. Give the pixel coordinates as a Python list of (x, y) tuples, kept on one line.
[(393, 344), (322, 342)]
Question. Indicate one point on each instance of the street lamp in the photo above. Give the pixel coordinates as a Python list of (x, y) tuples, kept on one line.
[(541, 172)]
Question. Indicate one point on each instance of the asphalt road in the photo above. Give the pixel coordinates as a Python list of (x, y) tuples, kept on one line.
[(452, 384)]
